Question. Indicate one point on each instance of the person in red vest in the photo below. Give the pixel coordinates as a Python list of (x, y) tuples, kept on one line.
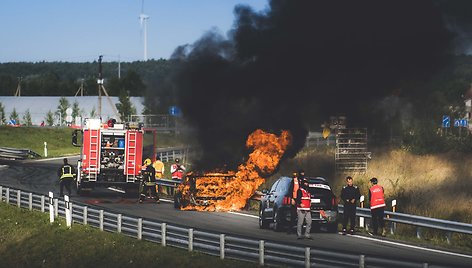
[(377, 206), (177, 172), (303, 203)]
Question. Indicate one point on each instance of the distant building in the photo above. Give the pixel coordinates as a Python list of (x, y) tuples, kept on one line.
[(468, 106), (39, 106)]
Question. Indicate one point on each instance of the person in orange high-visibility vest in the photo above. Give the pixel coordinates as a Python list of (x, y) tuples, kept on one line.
[(295, 186), (159, 168), (377, 206), (303, 202)]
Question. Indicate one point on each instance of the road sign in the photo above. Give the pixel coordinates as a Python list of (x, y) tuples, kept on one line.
[(174, 110), (464, 122), (446, 121), (457, 122)]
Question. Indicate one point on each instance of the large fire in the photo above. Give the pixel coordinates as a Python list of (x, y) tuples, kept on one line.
[(228, 191)]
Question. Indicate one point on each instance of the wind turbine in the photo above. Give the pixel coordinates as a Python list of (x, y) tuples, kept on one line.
[(143, 21)]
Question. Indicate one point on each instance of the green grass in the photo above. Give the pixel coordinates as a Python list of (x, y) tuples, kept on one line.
[(27, 239), (33, 138), (59, 140)]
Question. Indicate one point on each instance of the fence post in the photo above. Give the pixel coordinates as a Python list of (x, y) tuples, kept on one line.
[(101, 219), (8, 196), (418, 232), (140, 228), (307, 257), (18, 198), (222, 246), (393, 225), (1, 193), (361, 261), (56, 207), (449, 237), (118, 223), (30, 201), (51, 207), (42, 203), (85, 212), (425, 265), (361, 219), (163, 234), (261, 252), (190, 239), (68, 212)]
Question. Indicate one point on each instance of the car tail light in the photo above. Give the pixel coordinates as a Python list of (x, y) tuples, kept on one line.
[(287, 200)]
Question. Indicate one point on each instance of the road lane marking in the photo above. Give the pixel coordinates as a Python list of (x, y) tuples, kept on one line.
[(243, 214), (415, 247)]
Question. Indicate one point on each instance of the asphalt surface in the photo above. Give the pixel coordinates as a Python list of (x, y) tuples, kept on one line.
[(40, 177)]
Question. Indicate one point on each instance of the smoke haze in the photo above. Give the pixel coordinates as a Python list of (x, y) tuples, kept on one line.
[(298, 62)]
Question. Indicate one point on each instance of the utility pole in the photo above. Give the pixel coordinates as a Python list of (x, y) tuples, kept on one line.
[(81, 88), (18, 88), (102, 88)]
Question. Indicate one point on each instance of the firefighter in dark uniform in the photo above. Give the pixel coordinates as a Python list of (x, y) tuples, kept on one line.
[(66, 175), (148, 182), (350, 194)]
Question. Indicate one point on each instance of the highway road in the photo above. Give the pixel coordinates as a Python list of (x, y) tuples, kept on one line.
[(39, 176)]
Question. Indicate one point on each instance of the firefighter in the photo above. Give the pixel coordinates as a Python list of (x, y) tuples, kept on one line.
[(159, 168), (148, 181), (177, 171), (303, 202), (295, 185), (350, 194), (66, 175), (377, 206)]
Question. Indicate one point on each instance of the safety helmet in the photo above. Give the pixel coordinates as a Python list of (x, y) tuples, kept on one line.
[(147, 161), (177, 160)]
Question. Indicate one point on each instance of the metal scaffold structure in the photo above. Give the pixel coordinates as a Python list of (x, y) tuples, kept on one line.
[(351, 150)]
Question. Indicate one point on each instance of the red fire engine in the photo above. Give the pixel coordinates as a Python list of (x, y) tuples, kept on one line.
[(111, 155)]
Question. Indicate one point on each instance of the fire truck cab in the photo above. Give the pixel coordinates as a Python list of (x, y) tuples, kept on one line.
[(111, 155)]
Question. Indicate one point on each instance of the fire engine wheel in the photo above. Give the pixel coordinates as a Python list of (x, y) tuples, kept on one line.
[(277, 226), (263, 224)]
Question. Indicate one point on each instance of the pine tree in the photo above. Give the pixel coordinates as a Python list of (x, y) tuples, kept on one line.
[(27, 118), (50, 118), (2, 114), (62, 107), (14, 116), (125, 108)]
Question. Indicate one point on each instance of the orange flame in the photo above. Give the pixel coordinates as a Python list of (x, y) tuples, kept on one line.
[(231, 190)]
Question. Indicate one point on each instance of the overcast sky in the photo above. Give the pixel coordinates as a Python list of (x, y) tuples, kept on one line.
[(79, 31)]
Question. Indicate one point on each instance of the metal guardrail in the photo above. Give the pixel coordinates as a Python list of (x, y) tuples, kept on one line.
[(418, 221), (170, 154), (222, 245), (14, 153)]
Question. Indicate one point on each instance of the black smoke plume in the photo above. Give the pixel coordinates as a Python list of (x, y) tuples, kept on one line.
[(298, 62)]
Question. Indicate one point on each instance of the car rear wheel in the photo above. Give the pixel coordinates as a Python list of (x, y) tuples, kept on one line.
[(277, 222), (263, 223)]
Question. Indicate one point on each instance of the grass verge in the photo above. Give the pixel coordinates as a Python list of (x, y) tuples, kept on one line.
[(27, 239)]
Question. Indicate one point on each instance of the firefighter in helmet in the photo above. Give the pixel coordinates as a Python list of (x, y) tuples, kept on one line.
[(66, 175), (148, 183)]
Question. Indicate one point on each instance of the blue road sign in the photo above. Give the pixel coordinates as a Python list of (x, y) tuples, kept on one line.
[(457, 122), (464, 122), (446, 121), (174, 110)]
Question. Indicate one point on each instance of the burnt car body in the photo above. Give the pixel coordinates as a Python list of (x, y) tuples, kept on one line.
[(277, 207)]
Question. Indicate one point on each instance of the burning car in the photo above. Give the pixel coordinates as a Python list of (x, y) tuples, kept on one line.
[(230, 190)]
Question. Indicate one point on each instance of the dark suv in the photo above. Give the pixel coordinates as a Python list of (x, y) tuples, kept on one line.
[(277, 206)]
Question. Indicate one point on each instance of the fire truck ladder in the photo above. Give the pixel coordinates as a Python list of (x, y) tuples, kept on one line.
[(131, 157), (94, 149)]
